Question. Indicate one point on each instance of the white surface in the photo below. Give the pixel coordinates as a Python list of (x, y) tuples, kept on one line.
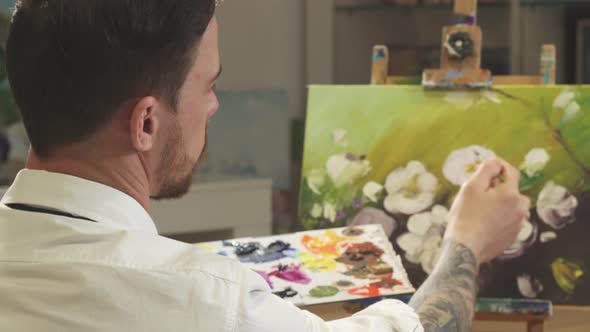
[(243, 205)]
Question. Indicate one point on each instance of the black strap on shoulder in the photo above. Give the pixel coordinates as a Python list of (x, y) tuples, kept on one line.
[(29, 208)]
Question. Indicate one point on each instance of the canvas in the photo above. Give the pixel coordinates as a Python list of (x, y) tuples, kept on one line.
[(249, 136), (315, 267), (397, 156)]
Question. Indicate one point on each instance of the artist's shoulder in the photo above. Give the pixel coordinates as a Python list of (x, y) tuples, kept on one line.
[(174, 257)]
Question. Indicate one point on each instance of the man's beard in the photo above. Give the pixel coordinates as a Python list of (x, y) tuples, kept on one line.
[(175, 172)]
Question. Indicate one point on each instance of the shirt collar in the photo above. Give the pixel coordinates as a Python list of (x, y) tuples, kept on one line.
[(79, 197)]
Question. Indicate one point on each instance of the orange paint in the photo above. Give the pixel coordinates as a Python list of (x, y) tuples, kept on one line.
[(374, 289), (368, 291), (326, 243)]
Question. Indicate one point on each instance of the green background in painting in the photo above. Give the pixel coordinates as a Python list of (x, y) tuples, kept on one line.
[(392, 125)]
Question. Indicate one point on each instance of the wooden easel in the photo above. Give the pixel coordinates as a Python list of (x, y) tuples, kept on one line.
[(460, 62), (463, 71), (380, 70)]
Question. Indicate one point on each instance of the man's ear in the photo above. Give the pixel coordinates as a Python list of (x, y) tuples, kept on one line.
[(144, 124)]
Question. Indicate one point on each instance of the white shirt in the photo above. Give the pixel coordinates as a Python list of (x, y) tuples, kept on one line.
[(114, 273)]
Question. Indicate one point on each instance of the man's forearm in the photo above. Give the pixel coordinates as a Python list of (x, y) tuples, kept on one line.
[(445, 302)]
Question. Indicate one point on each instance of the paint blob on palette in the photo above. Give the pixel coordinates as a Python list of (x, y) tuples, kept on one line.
[(323, 266)]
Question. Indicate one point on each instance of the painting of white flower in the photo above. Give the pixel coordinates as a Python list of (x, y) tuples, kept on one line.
[(556, 206), (315, 180), (399, 156), (566, 101), (422, 243), (329, 212), (372, 190), (410, 189), (526, 238), (346, 169), (339, 137), (462, 163), (535, 161)]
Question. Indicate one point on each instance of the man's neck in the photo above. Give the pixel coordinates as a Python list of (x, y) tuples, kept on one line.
[(124, 174)]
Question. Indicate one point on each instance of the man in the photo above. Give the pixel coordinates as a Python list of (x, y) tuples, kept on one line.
[(115, 96)]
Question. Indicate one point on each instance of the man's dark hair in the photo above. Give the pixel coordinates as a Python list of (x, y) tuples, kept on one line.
[(73, 63)]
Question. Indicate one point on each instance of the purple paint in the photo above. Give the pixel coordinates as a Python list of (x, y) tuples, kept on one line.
[(292, 273)]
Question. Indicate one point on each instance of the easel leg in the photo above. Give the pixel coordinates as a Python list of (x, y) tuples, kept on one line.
[(535, 326)]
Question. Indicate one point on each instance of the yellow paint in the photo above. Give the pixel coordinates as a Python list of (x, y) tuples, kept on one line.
[(206, 247), (325, 243), (318, 262), (567, 274)]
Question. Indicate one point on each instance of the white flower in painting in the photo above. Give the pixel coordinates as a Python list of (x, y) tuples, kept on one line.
[(525, 239), (420, 223), (566, 101), (528, 286), (440, 215), (345, 169), (372, 190), (535, 161), (329, 212), (316, 211), (315, 180), (339, 137), (556, 206), (424, 250), (412, 245), (547, 237), (570, 111), (410, 189), (526, 231), (565, 98), (432, 250), (461, 164), (422, 243)]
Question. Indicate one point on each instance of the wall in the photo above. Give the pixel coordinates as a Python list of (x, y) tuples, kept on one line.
[(262, 46), (6, 4), (543, 25)]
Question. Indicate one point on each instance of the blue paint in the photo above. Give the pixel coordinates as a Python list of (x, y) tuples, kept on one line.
[(262, 257), (254, 252)]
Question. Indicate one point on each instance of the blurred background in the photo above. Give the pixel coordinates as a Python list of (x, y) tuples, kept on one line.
[(273, 49)]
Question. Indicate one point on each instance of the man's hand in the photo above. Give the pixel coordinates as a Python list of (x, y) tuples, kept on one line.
[(488, 212), (485, 220)]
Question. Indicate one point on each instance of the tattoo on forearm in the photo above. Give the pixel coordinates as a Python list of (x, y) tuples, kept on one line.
[(445, 302)]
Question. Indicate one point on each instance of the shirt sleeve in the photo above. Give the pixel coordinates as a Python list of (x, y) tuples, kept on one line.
[(261, 311)]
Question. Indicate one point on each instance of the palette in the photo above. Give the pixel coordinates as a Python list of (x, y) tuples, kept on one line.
[(322, 266)]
